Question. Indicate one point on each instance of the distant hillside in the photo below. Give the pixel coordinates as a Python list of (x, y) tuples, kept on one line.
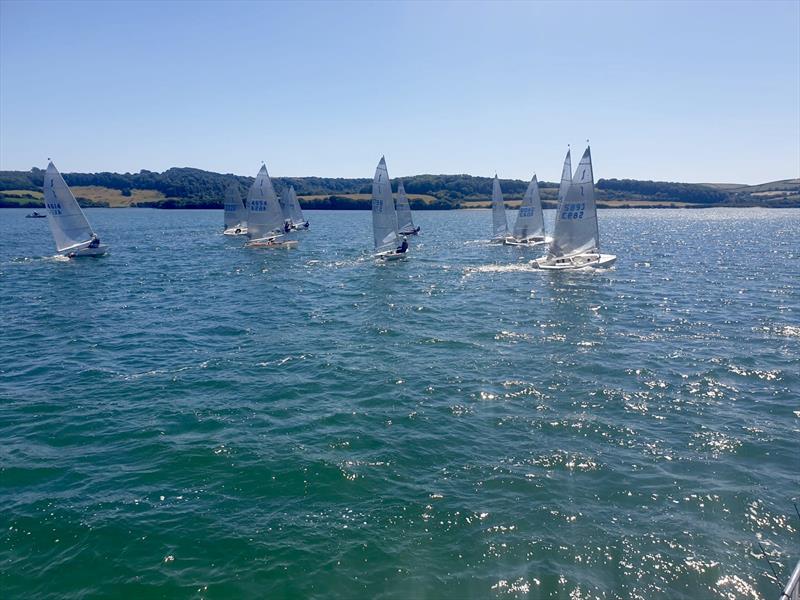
[(194, 188)]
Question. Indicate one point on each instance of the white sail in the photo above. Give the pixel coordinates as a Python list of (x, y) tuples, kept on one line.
[(285, 200), (384, 216), (295, 212), (405, 223), (499, 222), (264, 217), (566, 178), (530, 220), (67, 221), (235, 212), (576, 219)]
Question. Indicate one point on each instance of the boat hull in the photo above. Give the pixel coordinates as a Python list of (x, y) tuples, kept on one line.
[(235, 231), (271, 243), (580, 261), (524, 243), (390, 255), (85, 251)]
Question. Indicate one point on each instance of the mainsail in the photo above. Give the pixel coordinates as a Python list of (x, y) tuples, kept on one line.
[(285, 200), (576, 219), (295, 212), (235, 212), (67, 221), (404, 222), (384, 216), (263, 211), (566, 178), (530, 220), (499, 222)]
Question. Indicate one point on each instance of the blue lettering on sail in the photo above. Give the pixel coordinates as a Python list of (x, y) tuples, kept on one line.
[(526, 211)]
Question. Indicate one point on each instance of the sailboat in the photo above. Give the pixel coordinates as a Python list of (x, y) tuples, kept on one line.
[(292, 213), (235, 212), (265, 225), (384, 217), (576, 238), (405, 223), (529, 226), (71, 231), (500, 231)]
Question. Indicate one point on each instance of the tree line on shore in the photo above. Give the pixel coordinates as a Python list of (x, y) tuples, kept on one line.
[(185, 187)]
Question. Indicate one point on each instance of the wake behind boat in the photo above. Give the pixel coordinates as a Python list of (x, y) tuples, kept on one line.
[(576, 237), (265, 226), (235, 211), (72, 233), (388, 245), (529, 226)]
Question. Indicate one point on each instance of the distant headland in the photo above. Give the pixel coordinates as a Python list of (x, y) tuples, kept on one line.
[(194, 188)]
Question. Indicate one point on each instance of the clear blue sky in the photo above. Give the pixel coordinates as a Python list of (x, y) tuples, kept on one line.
[(665, 90)]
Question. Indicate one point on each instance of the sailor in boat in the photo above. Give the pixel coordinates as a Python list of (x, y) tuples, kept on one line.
[(95, 243), (287, 226), (403, 248)]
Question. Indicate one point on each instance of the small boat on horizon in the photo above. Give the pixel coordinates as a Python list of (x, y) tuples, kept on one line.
[(576, 236), (265, 225), (388, 245), (35, 215), (72, 233)]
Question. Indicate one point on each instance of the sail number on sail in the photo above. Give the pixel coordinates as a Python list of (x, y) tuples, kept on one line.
[(525, 211), (573, 211), (54, 207), (258, 205)]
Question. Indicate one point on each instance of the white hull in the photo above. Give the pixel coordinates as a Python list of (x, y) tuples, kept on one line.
[(525, 243), (84, 251), (579, 261), (271, 243), (390, 255), (235, 231)]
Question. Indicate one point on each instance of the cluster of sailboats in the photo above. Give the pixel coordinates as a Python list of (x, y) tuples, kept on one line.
[(575, 243), (269, 220)]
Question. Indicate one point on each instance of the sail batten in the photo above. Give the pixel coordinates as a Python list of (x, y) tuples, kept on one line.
[(384, 215), (405, 223), (530, 219), (576, 229), (499, 221), (65, 217), (264, 216)]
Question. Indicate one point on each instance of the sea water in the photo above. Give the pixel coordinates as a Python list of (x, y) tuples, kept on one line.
[(187, 418)]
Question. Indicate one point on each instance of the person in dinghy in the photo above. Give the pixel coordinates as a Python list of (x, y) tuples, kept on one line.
[(403, 247)]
